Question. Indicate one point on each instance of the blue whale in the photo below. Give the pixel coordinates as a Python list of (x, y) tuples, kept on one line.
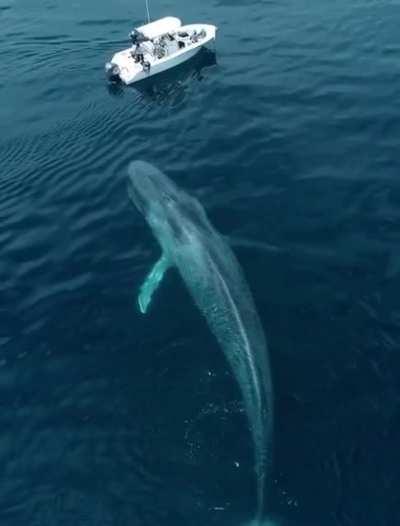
[(216, 283)]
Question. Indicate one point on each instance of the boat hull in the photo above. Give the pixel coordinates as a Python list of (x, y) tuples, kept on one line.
[(160, 68), (130, 72)]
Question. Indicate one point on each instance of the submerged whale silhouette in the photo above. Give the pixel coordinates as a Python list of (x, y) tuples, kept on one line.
[(215, 281)]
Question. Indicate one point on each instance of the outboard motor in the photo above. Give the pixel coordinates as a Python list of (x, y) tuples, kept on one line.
[(112, 72)]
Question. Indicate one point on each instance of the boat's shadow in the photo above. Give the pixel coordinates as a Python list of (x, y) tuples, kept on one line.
[(171, 85)]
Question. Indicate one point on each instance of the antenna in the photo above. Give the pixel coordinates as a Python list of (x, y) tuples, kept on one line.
[(148, 12)]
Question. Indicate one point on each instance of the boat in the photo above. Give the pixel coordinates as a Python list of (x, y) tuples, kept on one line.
[(157, 47)]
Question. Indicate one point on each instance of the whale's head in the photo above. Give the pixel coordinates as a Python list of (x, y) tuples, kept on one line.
[(149, 189), (171, 213)]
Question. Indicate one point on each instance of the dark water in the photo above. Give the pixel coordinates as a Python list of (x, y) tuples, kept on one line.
[(290, 138)]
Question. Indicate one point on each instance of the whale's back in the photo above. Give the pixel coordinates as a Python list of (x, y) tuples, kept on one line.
[(217, 285)]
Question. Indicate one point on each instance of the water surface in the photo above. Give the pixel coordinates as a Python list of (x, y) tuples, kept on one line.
[(289, 137)]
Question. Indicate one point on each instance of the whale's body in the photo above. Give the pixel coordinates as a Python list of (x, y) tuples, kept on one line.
[(215, 281)]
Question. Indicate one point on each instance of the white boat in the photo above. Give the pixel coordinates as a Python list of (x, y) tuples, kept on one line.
[(158, 46)]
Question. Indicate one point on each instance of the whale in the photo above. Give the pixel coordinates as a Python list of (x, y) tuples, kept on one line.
[(209, 269)]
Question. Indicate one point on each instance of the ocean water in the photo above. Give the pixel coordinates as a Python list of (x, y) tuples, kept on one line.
[(289, 136)]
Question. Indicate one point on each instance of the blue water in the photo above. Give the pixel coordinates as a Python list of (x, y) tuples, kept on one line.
[(289, 136)]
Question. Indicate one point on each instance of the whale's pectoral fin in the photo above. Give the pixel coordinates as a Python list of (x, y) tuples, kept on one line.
[(151, 283)]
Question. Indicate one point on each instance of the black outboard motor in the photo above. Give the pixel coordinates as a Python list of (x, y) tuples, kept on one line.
[(112, 72)]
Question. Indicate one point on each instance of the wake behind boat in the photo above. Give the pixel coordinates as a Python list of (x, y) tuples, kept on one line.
[(158, 46)]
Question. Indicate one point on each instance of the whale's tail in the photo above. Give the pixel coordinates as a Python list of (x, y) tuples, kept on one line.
[(263, 522), (271, 521), (260, 498), (262, 435)]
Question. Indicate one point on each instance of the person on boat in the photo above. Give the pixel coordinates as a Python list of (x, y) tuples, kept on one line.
[(138, 50), (137, 53)]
